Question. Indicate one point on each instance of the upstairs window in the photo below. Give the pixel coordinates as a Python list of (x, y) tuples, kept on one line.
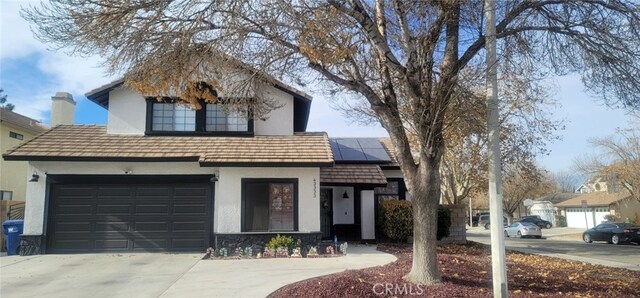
[(218, 120), (16, 135), (173, 117), (169, 118)]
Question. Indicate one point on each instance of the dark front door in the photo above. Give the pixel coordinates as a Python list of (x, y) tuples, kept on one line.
[(326, 212), (129, 217)]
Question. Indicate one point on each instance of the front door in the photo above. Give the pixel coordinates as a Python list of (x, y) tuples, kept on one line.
[(326, 212)]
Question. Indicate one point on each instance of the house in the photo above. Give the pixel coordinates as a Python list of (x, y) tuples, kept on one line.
[(546, 206), (596, 183), (598, 205), (15, 129), (162, 177)]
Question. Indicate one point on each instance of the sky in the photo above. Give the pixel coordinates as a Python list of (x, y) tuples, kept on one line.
[(30, 74)]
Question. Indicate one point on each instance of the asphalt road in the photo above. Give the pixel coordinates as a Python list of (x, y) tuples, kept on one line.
[(602, 253)]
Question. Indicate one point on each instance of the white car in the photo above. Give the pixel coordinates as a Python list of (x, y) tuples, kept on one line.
[(523, 229)]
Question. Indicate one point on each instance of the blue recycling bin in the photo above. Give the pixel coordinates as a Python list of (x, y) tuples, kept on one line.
[(12, 230)]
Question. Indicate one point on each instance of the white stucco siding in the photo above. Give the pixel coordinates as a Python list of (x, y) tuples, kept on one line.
[(127, 112), (228, 196), (36, 191), (279, 121)]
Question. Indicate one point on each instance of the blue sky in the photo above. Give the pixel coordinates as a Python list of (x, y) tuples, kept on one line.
[(30, 75)]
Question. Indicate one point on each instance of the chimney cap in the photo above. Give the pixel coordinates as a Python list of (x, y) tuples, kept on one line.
[(64, 96)]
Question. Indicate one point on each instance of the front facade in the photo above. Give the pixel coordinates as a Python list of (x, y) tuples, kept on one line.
[(162, 177), (590, 209)]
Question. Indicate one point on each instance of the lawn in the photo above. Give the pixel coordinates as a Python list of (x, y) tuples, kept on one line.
[(466, 272)]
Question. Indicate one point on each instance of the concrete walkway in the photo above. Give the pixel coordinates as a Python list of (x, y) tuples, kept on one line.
[(166, 275)]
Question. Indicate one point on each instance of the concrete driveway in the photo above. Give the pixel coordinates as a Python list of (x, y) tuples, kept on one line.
[(166, 275)]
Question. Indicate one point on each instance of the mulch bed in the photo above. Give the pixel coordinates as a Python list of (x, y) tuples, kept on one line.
[(466, 272)]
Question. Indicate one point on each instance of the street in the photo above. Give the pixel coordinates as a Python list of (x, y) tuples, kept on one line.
[(555, 244)]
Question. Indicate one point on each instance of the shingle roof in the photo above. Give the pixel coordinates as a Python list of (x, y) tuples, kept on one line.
[(386, 143), (599, 198), (558, 197), (30, 125), (352, 174), (92, 143)]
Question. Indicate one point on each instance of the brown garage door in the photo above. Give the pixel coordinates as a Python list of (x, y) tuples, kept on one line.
[(129, 217)]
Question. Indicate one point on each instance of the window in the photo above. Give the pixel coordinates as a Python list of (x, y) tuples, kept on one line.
[(6, 195), (167, 117), (218, 120), (172, 117), (269, 205), (16, 135)]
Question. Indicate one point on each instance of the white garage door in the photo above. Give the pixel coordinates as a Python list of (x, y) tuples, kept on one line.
[(595, 216)]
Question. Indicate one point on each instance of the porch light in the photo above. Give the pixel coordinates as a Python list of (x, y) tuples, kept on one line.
[(345, 195), (34, 177)]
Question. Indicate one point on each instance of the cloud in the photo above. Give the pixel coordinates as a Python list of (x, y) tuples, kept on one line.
[(15, 35)]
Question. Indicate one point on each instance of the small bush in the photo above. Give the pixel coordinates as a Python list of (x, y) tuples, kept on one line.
[(444, 222), (561, 221), (397, 219), (611, 217), (280, 241)]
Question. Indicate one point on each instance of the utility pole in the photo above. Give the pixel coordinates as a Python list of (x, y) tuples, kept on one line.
[(498, 259)]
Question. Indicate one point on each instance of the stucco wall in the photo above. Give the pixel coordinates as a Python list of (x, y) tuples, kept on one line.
[(127, 112), (279, 121), (228, 196), (13, 174)]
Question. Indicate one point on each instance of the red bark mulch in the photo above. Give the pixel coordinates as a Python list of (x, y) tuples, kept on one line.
[(466, 272)]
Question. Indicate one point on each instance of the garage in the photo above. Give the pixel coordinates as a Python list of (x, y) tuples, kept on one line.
[(594, 216), (127, 213)]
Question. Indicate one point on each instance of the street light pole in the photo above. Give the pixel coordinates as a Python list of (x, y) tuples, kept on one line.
[(498, 259)]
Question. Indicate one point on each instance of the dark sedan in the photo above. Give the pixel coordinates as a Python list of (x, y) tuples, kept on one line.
[(612, 232), (537, 221)]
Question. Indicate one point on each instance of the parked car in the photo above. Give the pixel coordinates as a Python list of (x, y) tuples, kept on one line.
[(615, 233), (523, 229), (535, 219), (476, 218), (484, 221)]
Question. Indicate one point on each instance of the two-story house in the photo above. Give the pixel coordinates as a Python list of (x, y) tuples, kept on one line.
[(163, 177)]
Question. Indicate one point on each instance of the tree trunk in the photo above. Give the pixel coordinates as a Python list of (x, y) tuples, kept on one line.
[(425, 195)]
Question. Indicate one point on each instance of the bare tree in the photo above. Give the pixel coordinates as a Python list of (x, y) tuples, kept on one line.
[(618, 162), (402, 57), (565, 181), (524, 181)]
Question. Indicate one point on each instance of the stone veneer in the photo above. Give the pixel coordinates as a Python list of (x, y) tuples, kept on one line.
[(258, 240), (32, 245), (458, 230)]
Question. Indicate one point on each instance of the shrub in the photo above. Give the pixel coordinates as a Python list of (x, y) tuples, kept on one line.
[(444, 222), (611, 217), (280, 241), (397, 219), (561, 221)]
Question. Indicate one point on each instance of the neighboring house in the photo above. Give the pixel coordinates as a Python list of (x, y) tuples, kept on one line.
[(546, 206), (15, 129), (598, 205), (160, 177), (594, 184)]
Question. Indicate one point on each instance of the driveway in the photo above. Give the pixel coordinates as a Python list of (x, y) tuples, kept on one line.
[(166, 275)]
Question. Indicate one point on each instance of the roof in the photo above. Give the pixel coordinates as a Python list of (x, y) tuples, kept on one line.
[(92, 143), (386, 143), (359, 150), (599, 198), (556, 198), (30, 125), (349, 174)]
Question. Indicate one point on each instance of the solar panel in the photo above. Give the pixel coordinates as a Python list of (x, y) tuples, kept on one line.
[(358, 150)]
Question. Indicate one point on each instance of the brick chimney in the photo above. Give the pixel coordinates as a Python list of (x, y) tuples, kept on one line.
[(63, 109)]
